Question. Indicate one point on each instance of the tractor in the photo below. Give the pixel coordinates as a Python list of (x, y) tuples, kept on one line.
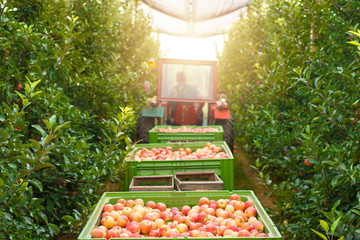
[(186, 95)]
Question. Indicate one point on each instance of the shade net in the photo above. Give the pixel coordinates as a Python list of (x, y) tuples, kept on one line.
[(193, 18)]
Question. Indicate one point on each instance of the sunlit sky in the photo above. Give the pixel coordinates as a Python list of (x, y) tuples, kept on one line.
[(191, 48)]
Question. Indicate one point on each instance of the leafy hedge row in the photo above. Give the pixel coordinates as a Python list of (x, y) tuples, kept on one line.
[(293, 82), (69, 70)]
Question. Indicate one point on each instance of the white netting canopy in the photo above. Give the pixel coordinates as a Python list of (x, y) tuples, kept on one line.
[(193, 18)]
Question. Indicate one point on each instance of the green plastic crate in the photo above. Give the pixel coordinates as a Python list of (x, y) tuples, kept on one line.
[(162, 137), (224, 168), (179, 199)]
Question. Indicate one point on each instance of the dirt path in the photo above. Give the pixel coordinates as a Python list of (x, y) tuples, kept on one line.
[(246, 178)]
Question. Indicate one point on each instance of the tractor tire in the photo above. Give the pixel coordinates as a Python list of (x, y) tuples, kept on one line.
[(228, 126), (145, 124)]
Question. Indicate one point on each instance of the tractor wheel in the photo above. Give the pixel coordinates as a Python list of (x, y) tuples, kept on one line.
[(145, 124), (228, 126)]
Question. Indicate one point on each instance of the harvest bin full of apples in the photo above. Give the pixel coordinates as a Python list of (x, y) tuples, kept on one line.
[(168, 158), (165, 133), (205, 214)]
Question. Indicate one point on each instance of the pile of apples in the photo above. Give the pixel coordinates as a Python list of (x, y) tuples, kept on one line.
[(222, 218), (188, 129), (210, 151)]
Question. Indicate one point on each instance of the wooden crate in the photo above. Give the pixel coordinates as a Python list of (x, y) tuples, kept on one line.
[(198, 181), (152, 183)]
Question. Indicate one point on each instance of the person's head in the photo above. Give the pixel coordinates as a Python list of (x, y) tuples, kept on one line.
[(180, 78), (222, 95)]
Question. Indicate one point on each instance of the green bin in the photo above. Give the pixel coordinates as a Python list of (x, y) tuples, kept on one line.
[(162, 137), (179, 199), (224, 168)]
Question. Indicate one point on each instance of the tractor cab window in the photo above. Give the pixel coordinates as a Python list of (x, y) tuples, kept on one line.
[(187, 82)]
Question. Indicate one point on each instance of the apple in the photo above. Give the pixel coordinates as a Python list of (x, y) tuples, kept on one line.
[(203, 207), (239, 205), (151, 204), (254, 232), (104, 214), (139, 202), (108, 207), (182, 228), (228, 232), (235, 197), (127, 211), (114, 232), (230, 208), (239, 220), (145, 226), (118, 206), (133, 227), (122, 221), (221, 203), (164, 230), (159, 222), (108, 222), (250, 212), (165, 216), (201, 234), (246, 226), (135, 216), (262, 235), (210, 211), (130, 203), (114, 214), (249, 203), (194, 233), (244, 233), (201, 217), (307, 162), (154, 233), (258, 226), (98, 233), (161, 206)]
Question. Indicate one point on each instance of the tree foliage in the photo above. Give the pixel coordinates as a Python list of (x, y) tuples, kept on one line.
[(293, 81), (71, 76)]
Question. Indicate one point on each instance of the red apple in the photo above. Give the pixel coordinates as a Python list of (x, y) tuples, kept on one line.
[(161, 206), (307, 162), (135, 216), (130, 203), (114, 232), (258, 226), (108, 207), (114, 214), (262, 235), (154, 233), (249, 203), (133, 227), (185, 209), (182, 228), (122, 221), (98, 233), (118, 207), (244, 233), (139, 201), (145, 226), (235, 197), (250, 212), (239, 205), (151, 204)]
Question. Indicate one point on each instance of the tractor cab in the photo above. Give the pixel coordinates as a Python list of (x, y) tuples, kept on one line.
[(186, 95)]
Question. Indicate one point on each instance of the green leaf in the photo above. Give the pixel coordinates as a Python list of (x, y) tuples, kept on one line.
[(44, 165), (60, 126), (319, 234), (47, 123), (49, 138), (35, 143), (52, 120), (35, 93), (342, 238), (37, 127), (334, 225), (354, 43), (37, 183), (68, 218), (307, 129), (53, 229), (324, 225)]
